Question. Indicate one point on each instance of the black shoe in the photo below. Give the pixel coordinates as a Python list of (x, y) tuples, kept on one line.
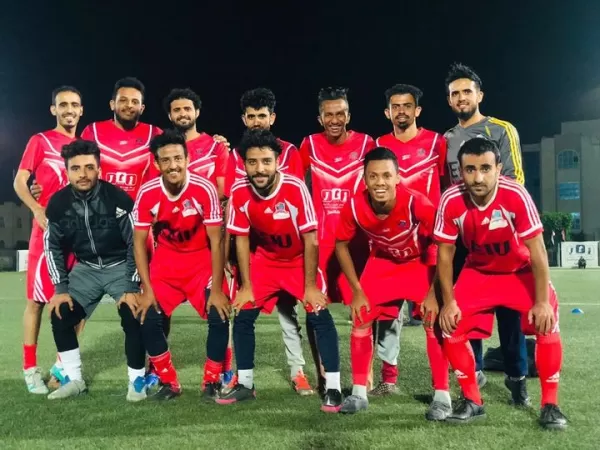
[(466, 411), (237, 394), (518, 390), (211, 391), (332, 401), (552, 418), (321, 387), (167, 392)]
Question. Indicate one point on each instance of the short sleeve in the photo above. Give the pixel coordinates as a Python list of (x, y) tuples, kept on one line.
[(142, 210), (295, 165), (527, 220), (442, 150), (307, 217), (237, 219), (33, 155), (231, 172), (346, 228), (304, 152), (221, 164), (209, 200), (445, 230), (424, 212), (88, 133), (151, 171)]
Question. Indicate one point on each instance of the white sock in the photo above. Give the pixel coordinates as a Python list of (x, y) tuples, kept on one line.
[(332, 381), (134, 373), (71, 360), (58, 362), (246, 378), (361, 391), (442, 397), (294, 370)]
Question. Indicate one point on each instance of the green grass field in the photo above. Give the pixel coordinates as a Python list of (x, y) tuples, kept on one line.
[(279, 418)]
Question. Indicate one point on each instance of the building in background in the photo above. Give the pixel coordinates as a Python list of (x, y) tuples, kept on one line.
[(15, 225)]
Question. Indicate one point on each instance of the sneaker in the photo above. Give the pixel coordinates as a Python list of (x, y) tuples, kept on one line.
[(168, 392), (466, 411), (301, 385), (383, 389), (518, 390), (225, 388), (152, 380), (481, 379), (322, 387), (552, 418), (33, 380), (57, 376), (71, 388), (237, 394), (354, 404), (227, 377), (136, 392), (438, 411), (332, 401), (210, 391)]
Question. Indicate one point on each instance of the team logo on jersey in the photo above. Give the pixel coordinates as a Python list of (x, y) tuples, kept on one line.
[(497, 220), (353, 156), (188, 209), (139, 141), (280, 212), (421, 152), (402, 224)]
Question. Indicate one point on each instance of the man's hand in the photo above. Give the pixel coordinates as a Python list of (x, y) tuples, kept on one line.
[(131, 300), (543, 315), (56, 301), (40, 217), (221, 140), (315, 298), (449, 317), (430, 309), (220, 302), (36, 190), (359, 301), (146, 301), (243, 296)]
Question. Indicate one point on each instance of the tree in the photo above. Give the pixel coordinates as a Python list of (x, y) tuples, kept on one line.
[(556, 222)]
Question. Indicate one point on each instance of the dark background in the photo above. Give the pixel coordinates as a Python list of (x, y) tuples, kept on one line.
[(537, 59)]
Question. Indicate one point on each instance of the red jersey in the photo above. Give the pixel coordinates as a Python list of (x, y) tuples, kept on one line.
[(276, 223), (288, 162), (179, 223), (42, 159), (125, 158), (208, 158), (401, 235), (494, 233), (335, 172), (421, 161)]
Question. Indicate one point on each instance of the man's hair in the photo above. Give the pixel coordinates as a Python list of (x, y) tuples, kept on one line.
[(65, 88), (129, 82), (177, 94), (401, 89), (479, 146), (460, 70), (258, 138), (380, 154), (332, 93), (168, 137), (258, 98), (80, 147)]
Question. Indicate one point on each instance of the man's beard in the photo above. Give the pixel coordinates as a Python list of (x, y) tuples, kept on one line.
[(267, 187), (126, 123), (183, 128), (465, 115), (404, 125)]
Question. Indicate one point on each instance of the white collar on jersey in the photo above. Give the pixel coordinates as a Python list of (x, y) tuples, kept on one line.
[(484, 207), (274, 193)]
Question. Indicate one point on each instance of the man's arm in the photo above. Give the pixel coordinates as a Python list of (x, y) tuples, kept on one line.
[(539, 266), (342, 252), (55, 258), (242, 247), (215, 237), (22, 191), (510, 151), (126, 226), (311, 259), (445, 271), (140, 252)]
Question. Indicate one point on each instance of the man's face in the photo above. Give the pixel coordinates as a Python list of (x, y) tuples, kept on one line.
[(128, 106), (183, 115), (480, 173), (83, 172), (260, 118), (261, 167), (402, 110), (67, 109), (381, 178), (464, 98), (172, 163), (334, 116)]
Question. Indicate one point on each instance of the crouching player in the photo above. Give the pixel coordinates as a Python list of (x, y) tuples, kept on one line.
[(399, 223), (184, 212), (506, 266), (273, 212)]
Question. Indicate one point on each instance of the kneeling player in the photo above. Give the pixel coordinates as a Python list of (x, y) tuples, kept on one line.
[(399, 223), (507, 266), (273, 212), (184, 211)]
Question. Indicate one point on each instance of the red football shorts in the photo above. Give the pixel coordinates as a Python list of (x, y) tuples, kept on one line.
[(177, 277), (338, 288), (386, 282), (478, 294), (269, 278)]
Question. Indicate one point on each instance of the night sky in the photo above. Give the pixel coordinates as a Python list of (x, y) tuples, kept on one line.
[(535, 62)]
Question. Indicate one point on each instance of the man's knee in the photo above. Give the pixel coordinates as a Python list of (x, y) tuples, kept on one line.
[(69, 318), (244, 321)]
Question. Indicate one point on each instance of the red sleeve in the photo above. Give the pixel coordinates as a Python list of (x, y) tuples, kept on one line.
[(370, 144), (222, 160), (156, 130), (445, 229), (230, 176), (142, 215), (305, 154), (527, 220), (88, 133), (32, 156), (346, 228), (442, 148), (424, 212), (151, 171), (237, 222), (211, 206), (307, 218), (296, 166)]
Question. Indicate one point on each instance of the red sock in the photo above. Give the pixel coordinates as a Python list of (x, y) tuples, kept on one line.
[(460, 354), (438, 363), (212, 371), (228, 359), (389, 373), (164, 368), (548, 360), (29, 356), (361, 353)]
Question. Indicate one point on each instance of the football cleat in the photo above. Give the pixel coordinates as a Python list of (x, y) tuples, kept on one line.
[(136, 391), (71, 388), (167, 392), (438, 411), (301, 385), (33, 380), (518, 390), (239, 393), (552, 418), (353, 404), (332, 401), (227, 377), (466, 411), (57, 376), (210, 391), (383, 389)]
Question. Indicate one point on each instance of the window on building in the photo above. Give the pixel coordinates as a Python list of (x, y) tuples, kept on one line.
[(576, 224), (19, 223), (568, 191), (568, 159), (1, 222)]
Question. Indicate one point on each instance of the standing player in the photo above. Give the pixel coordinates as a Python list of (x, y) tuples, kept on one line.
[(184, 212), (399, 223), (272, 211), (42, 160), (507, 266), (463, 86)]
